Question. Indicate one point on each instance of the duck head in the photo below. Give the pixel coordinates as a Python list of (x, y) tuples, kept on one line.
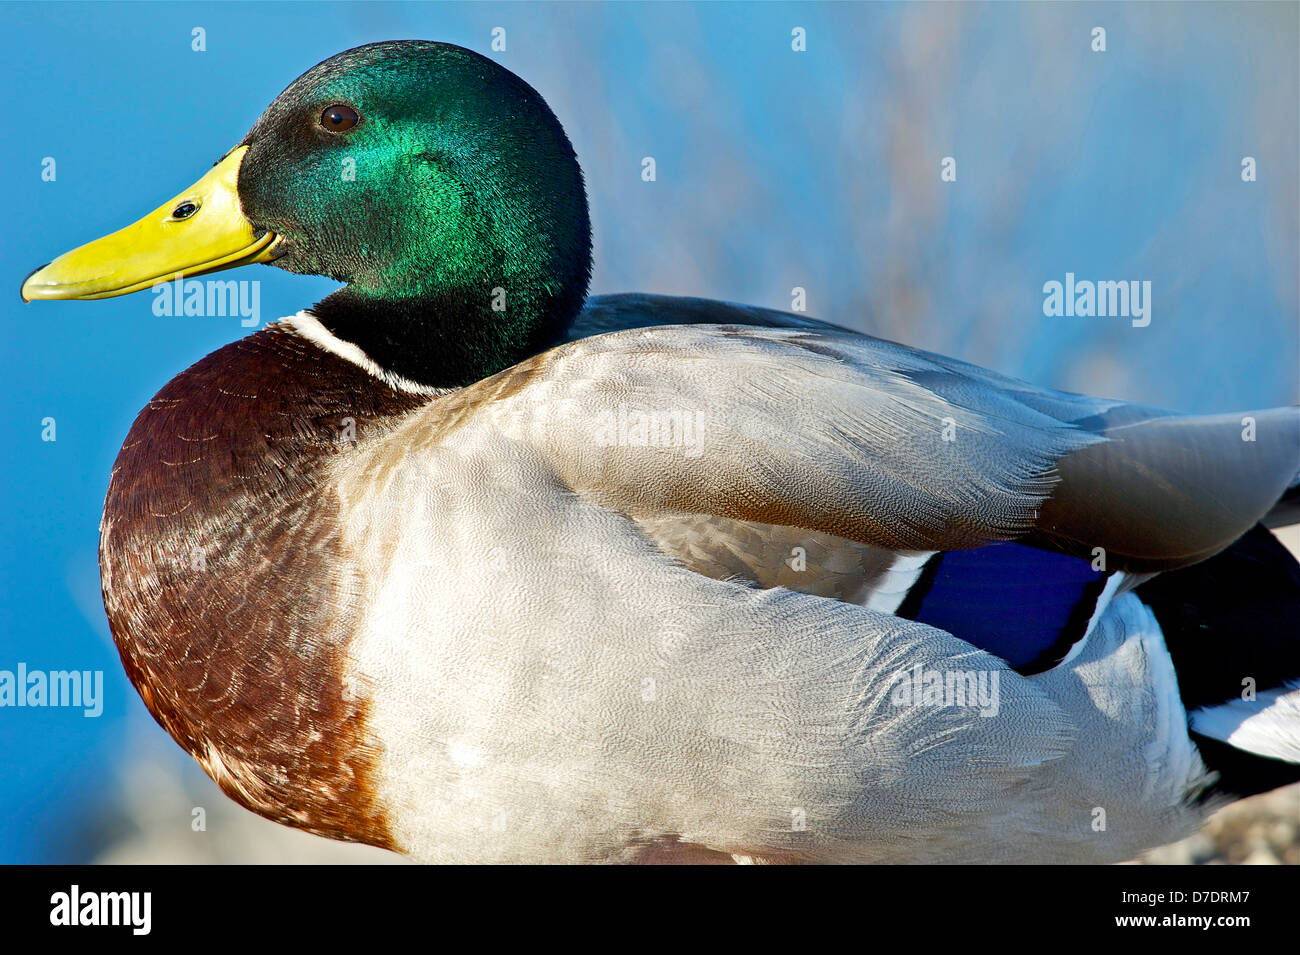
[(438, 185)]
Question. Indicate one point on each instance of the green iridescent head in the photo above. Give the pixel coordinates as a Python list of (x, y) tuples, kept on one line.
[(442, 189), (436, 184)]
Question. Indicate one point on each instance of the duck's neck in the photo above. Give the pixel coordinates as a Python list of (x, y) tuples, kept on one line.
[(448, 338)]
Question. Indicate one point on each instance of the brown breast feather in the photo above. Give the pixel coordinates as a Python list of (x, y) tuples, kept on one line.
[(227, 585)]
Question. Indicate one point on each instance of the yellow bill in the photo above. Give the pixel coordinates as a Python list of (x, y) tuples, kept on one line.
[(201, 230)]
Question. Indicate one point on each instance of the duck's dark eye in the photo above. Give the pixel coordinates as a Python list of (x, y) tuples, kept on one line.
[(185, 210), (339, 118)]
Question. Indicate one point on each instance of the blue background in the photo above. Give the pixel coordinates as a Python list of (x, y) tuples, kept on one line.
[(775, 169)]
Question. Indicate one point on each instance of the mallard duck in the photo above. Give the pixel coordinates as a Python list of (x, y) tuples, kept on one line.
[(468, 565)]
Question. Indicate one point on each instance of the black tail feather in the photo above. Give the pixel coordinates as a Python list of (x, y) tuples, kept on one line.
[(1232, 625)]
